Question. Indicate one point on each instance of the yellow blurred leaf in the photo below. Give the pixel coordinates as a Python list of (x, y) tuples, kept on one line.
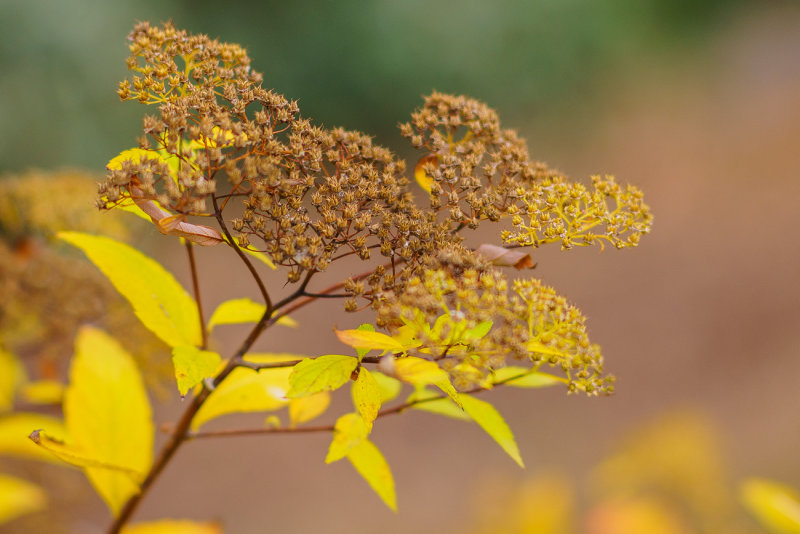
[(324, 373), (420, 175), (244, 310), (349, 430), (11, 376), (15, 429), (172, 526), (260, 256), (158, 300), (776, 506), (524, 377), (421, 372), (490, 420), (372, 466), (390, 387), (43, 392), (247, 390), (192, 365), (108, 415), (304, 409), (634, 516), (366, 396), (19, 497), (366, 340)]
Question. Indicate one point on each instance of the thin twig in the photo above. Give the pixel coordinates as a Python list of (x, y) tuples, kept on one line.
[(196, 289)]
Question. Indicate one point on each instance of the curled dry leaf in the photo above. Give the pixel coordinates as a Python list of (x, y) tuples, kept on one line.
[(506, 257), (176, 225)]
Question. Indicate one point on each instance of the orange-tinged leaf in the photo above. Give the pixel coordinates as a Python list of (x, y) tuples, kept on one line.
[(244, 310), (15, 429), (19, 497), (775, 505), (490, 420), (364, 339), (366, 396), (172, 526), (505, 257), (108, 415), (304, 409), (324, 373), (247, 390), (349, 430), (192, 365), (372, 466), (161, 304)]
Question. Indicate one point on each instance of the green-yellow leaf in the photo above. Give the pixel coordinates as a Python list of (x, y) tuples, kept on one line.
[(247, 390), (366, 396), (324, 373), (15, 429), (776, 506), (43, 392), (192, 365), (244, 310), (421, 372), (11, 376), (390, 387), (349, 430), (107, 415), (372, 466), (172, 526), (490, 420), (524, 377), (432, 402), (19, 497), (478, 331), (304, 409), (536, 346), (366, 340), (158, 300), (366, 327)]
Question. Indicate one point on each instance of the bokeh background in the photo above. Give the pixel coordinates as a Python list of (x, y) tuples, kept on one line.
[(697, 103)]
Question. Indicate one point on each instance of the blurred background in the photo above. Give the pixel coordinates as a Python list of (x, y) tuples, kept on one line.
[(697, 103)]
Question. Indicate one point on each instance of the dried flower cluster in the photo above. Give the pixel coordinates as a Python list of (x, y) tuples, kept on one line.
[(310, 195)]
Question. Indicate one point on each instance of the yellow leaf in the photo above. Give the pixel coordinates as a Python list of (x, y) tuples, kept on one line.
[(247, 390), (364, 339), (421, 372), (260, 256), (524, 377), (43, 392), (436, 405), (244, 310), (12, 375), (192, 365), (372, 466), (157, 298), (366, 396), (107, 415), (19, 497), (324, 373), (226, 136), (303, 409), (420, 175), (172, 526), (15, 429), (776, 506), (349, 430), (490, 420), (536, 346), (77, 457), (390, 387)]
